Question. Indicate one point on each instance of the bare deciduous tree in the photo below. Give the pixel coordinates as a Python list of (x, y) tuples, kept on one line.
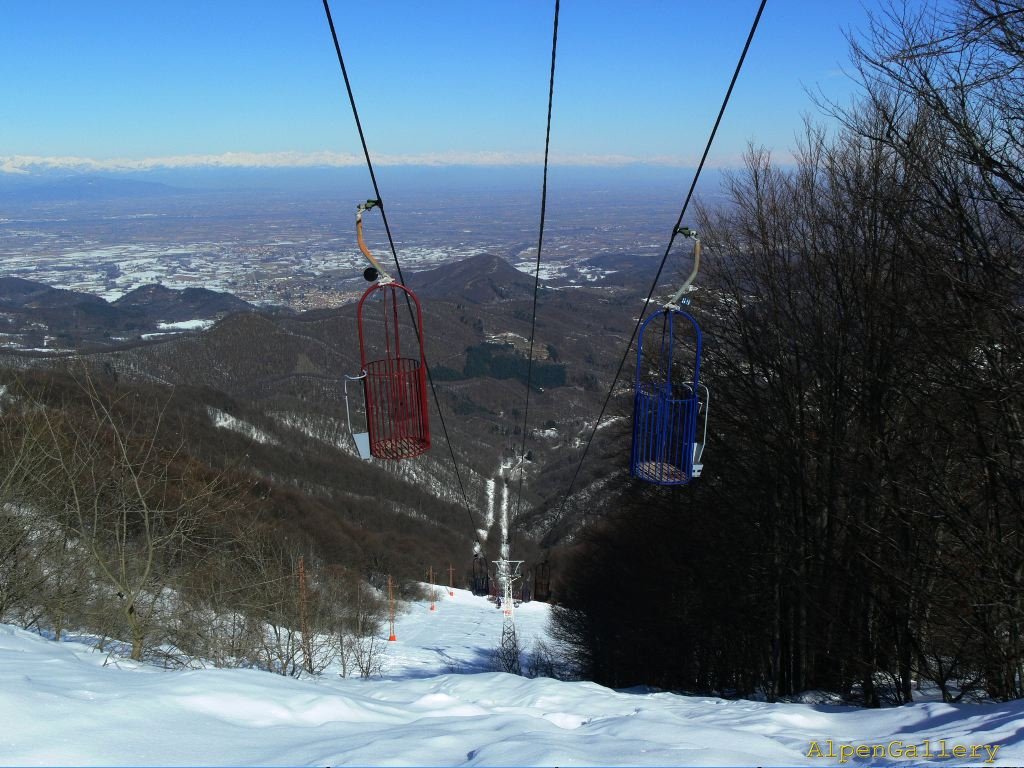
[(133, 506)]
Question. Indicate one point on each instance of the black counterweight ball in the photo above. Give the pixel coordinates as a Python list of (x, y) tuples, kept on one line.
[(370, 274)]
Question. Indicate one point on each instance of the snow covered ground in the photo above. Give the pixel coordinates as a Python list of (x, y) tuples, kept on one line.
[(66, 704)]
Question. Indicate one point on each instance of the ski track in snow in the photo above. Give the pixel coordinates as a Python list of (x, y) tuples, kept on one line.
[(489, 519), (66, 704), (504, 519), (225, 420)]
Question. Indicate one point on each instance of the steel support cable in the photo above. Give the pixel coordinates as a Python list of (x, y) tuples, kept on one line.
[(536, 276), (398, 267), (664, 258)]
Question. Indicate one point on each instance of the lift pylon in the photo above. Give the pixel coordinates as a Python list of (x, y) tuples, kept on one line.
[(507, 573)]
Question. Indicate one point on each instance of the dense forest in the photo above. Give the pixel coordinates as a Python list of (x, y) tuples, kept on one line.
[(499, 361), (859, 526)]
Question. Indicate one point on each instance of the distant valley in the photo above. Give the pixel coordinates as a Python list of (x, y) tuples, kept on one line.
[(296, 248), (245, 305)]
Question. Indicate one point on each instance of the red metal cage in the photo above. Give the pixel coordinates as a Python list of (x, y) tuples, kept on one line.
[(395, 387)]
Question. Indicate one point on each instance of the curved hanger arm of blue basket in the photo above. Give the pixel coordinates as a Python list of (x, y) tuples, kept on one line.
[(677, 298)]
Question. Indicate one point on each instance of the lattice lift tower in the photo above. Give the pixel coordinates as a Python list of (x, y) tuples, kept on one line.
[(507, 572)]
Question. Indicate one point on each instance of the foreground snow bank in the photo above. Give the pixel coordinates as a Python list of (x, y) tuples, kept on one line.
[(65, 704)]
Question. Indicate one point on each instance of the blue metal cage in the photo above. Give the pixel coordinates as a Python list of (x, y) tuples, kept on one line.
[(665, 413)]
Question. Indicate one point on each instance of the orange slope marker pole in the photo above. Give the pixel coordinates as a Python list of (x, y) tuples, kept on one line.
[(391, 610), (430, 578)]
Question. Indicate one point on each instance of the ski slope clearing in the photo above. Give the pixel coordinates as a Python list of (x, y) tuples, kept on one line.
[(66, 704)]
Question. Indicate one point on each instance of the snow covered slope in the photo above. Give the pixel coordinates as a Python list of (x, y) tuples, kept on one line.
[(65, 704)]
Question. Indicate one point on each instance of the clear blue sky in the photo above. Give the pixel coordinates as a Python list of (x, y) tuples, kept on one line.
[(434, 80)]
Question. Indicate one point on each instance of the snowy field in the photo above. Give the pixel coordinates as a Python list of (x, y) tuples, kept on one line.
[(66, 704)]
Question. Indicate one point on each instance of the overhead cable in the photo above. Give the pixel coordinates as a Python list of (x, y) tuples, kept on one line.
[(536, 276)]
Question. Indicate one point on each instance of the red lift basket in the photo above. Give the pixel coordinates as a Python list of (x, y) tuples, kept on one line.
[(395, 387)]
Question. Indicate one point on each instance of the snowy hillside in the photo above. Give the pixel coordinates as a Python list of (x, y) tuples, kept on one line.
[(66, 704)]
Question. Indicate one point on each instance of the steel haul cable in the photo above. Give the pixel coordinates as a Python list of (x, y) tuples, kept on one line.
[(536, 277)]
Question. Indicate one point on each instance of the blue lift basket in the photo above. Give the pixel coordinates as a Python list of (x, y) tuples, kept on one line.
[(666, 413)]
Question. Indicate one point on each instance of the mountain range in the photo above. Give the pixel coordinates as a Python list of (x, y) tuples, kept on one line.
[(267, 385), (480, 279), (38, 316)]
